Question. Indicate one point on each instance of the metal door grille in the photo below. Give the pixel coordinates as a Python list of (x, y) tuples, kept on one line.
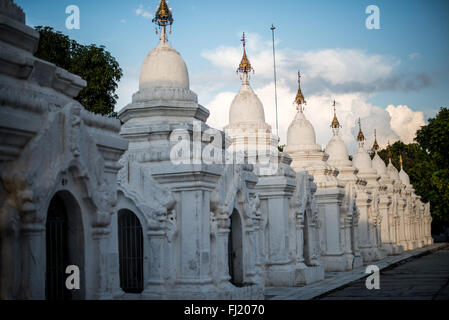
[(231, 257), (56, 250), (130, 240)]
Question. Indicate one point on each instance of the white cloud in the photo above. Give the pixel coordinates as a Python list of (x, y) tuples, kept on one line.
[(141, 11), (340, 74), (349, 76), (405, 122), (339, 68)]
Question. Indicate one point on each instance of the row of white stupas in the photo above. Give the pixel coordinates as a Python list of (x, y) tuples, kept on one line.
[(368, 209), (353, 212), (148, 209)]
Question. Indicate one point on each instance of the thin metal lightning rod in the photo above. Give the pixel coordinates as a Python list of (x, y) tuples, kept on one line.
[(275, 82)]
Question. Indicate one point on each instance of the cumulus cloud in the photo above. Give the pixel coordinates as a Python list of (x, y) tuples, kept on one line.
[(141, 11), (349, 76), (337, 70), (405, 122)]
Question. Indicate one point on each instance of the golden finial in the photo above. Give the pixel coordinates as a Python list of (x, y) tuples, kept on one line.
[(400, 159), (163, 17), (375, 145), (360, 136), (245, 65), (335, 124), (299, 100)]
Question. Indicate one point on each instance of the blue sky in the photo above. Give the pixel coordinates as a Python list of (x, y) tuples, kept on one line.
[(412, 42)]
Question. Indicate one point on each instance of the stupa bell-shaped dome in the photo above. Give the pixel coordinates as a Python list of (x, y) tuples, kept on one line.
[(377, 161), (164, 67), (392, 171), (300, 132), (379, 165), (361, 159), (405, 179), (336, 149), (246, 107)]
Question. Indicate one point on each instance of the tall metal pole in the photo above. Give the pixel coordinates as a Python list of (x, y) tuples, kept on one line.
[(275, 82)]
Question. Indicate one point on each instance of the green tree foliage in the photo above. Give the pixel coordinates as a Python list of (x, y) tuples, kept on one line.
[(92, 63), (427, 164)]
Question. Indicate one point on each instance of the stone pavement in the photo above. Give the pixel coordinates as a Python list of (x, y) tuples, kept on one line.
[(418, 274)]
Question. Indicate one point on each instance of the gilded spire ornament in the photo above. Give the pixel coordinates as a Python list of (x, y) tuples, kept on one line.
[(360, 136), (335, 124), (400, 159), (244, 66), (163, 18), (375, 145), (299, 100)]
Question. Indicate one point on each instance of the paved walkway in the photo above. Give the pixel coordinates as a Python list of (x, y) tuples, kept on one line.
[(424, 278), (422, 274)]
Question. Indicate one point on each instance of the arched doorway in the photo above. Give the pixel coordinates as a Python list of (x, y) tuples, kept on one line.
[(130, 243), (235, 250), (64, 246)]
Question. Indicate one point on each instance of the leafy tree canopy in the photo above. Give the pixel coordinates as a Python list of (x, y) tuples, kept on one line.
[(92, 63)]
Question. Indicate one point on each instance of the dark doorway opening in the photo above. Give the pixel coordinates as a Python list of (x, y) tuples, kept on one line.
[(64, 246), (57, 250), (130, 241), (235, 250)]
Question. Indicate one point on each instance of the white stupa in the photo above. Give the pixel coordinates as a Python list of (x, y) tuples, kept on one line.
[(370, 221), (392, 171), (403, 176), (279, 188), (302, 146), (164, 94), (307, 156), (339, 158), (362, 161), (247, 127), (378, 163), (301, 136)]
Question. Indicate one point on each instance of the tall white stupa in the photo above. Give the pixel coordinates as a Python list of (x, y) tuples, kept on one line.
[(247, 127), (278, 187), (307, 156), (339, 158), (370, 217), (164, 94)]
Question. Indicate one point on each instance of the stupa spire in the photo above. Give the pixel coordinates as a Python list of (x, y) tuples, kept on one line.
[(375, 145), (299, 100), (163, 18), (400, 160), (335, 125), (360, 136), (245, 66)]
